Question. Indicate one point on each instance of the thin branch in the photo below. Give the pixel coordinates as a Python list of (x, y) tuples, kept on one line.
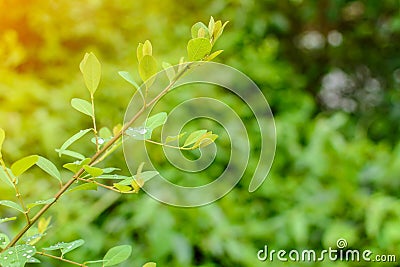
[(60, 259)]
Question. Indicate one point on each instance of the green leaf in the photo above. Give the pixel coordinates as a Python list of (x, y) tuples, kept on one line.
[(17, 256), (211, 24), (116, 255), (4, 178), (76, 166), (12, 205), (139, 52), (150, 264), (173, 138), (127, 77), (83, 62), (203, 33), (93, 262), (117, 128), (169, 70), (3, 220), (193, 137), (33, 260), (198, 48), (122, 188), (91, 70), (33, 236), (110, 170), (147, 48), (66, 247), (4, 240), (105, 133), (181, 64), (126, 182), (48, 166), (82, 106), (72, 140), (147, 67), (93, 171), (40, 202), (71, 246), (205, 140), (70, 153), (84, 187), (195, 30), (218, 30), (213, 55), (43, 224), (156, 120), (208, 140), (143, 178), (71, 167), (2, 137), (22, 165), (140, 168), (32, 240)]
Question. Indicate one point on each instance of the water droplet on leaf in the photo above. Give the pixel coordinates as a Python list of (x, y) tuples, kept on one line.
[(142, 131), (139, 133)]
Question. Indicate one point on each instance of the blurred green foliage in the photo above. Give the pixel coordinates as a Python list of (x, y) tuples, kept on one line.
[(329, 69)]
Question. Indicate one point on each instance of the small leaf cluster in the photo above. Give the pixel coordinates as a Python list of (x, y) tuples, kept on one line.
[(203, 40)]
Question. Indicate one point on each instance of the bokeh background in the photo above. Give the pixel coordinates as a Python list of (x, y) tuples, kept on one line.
[(330, 70)]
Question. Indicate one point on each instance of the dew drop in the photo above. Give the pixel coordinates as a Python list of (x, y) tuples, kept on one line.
[(100, 141), (137, 132), (141, 130)]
